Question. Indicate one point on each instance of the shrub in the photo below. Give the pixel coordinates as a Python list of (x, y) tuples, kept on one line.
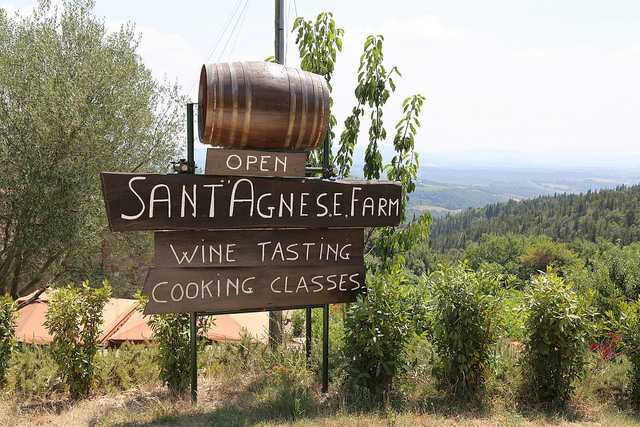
[(287, 385), (377, 327), (73, 319), (463, 328), (298, 323), (32, 373), (128, 366), (502, 251), (7, 335), (631, 342), (171, 331), (543, 253), (557, 328)]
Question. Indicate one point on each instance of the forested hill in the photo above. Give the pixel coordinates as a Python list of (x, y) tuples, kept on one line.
[(610, 214)]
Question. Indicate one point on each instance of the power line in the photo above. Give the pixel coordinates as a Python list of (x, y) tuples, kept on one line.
[(237, 35), (218, 39), (233, 30), (225, 28)]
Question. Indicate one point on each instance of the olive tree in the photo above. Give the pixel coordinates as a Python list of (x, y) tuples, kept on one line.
[(75, 100)]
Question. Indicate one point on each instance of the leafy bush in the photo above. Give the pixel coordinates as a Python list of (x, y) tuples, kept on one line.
[(171, 331), (624, 268), (32, 373), (595, 279), (631, 340), (73, 319), (463, 328), (502, 251), (232, 357), (7, 335), (128, 366), (298, 323), (287, 386), (511, 315), (557, 328), (377, 327), (543, 253)]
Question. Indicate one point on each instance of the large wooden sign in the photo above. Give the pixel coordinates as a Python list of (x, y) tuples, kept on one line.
[(221, 161), (180, 202), (248, 270), (238, 289), (253, 248)]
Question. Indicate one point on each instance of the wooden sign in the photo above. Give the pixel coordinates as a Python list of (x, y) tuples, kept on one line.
[(242, 248), (238, 289), (180, 202), (222, 161)]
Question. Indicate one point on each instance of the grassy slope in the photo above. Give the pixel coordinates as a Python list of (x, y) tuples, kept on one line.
[(230, 398)]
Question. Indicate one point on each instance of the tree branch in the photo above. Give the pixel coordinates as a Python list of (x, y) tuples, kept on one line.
[(38, 277), (32, 298)]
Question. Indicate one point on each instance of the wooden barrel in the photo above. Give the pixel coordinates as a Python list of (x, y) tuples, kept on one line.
[(262, 105)]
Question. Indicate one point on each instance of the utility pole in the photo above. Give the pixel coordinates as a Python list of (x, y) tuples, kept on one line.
[(275, 317), (279, 32)]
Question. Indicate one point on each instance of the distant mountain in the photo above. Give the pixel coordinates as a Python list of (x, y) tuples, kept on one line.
[(449, 190), (613, 215)]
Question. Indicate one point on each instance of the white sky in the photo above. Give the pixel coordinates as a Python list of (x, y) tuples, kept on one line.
[(521, 83)]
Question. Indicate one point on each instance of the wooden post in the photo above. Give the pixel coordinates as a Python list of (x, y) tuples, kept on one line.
[(325, 348), (194, 356), (326, 174), (308, 334)]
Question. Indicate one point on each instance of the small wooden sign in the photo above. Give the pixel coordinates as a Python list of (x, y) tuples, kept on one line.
[(182, 202), (252, 248), (233, 290), (221, 161)]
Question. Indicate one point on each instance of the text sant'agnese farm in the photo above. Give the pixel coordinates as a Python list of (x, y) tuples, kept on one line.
[(163, 200)]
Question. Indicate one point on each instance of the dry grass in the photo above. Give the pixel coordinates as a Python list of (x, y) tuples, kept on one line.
[(267, 390), (242, 401)]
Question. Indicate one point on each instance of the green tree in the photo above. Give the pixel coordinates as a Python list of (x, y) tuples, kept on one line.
[(543, 253), (405, 163), (74, 319), (377, 325), (373, 88), (319, 42), (503, 251), (75, 100), (611, 215)]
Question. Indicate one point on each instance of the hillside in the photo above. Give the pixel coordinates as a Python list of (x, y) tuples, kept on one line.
[(447, 190), (613, 215)]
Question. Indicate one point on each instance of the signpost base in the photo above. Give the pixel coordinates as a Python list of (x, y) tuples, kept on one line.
[(308, 335), (325, 348), (194, 356)]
